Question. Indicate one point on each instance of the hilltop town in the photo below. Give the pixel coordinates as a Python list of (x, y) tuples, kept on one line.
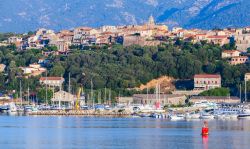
[(148, 34)]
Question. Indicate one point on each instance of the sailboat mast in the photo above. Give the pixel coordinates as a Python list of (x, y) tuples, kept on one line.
[(147, 93), (69, 89), (60, 97), (159, 92), (46, 88), (28, 94), (93, 102), (245, 90), (105, 93), (69, 84), (21, 92), (109, 96), (240, 93)]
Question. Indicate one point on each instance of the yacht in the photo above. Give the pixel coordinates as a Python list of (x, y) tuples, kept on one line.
[(4, 108), (20, 110), (192, 115), (12, 109), (245, 113), (226, 113), (205, 104), (206, 116), (27, 109), (177, 117), (156, 115)]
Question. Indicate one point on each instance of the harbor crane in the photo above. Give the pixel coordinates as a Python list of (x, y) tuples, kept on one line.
[(77, 102)]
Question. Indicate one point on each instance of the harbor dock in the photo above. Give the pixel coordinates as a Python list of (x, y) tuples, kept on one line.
[(81, 113)]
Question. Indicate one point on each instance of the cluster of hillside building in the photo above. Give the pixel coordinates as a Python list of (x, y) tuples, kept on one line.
[(148, 34)]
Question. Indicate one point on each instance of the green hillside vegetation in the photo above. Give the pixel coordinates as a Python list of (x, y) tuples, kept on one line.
[(216, 92), (119, 68)]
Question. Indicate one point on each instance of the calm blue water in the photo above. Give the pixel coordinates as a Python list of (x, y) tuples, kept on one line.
[(29, 132)]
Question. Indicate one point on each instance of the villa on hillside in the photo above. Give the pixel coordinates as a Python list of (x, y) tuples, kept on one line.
[(230, 53), (52, 81), (33, 70)]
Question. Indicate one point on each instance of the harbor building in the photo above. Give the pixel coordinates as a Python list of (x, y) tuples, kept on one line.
[(64, 98), (163, 99), (215, 99), (124, 100), (52, 81), (207, 81)]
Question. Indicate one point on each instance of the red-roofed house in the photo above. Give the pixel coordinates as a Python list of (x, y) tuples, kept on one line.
[(230, 53), (52, 81), (207, 81)]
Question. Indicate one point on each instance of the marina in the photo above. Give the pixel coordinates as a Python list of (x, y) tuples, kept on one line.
[(205, 111)]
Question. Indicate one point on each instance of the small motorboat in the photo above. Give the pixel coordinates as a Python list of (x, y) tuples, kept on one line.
[(4, 108), (244, 114), (192, 115), (206, 116), (27, 109), (156, 115), (12, 109), (177, 117)]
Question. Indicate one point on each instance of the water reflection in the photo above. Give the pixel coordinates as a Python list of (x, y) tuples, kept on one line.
[(81, 132), (205, 141)]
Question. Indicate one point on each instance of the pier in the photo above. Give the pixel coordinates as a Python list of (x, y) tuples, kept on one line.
[(81, 113)]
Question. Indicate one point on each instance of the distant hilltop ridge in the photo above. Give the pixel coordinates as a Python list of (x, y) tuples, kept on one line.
[(23, 16)]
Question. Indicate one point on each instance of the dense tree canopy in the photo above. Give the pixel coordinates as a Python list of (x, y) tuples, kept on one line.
[(216, 92), (121, 68)]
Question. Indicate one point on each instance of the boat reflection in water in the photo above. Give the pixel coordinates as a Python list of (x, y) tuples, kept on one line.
[(205, 141)]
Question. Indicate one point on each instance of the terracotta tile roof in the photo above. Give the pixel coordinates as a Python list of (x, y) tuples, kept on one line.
[(200, 34), (230, 51), (207, 76), (51, 78), (217, 37), (240, 57), (154, 96)]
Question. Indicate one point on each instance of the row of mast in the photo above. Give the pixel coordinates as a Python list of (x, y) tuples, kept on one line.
[(60, 88)]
